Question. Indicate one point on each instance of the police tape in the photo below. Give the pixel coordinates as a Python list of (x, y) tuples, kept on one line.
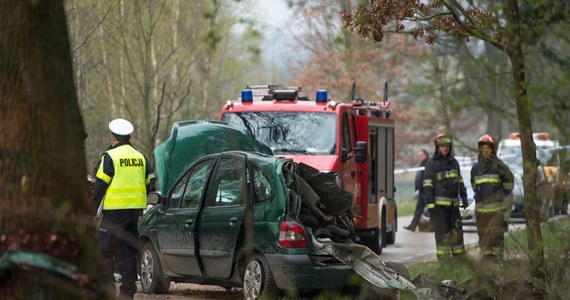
[(408, 170)]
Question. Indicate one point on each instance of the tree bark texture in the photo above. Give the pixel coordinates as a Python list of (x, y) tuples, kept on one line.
[(45, 205), (531, 202)]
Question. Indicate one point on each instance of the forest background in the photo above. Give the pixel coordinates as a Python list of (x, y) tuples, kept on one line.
[(157, 62)]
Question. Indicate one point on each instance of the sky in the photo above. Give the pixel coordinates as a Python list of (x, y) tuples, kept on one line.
[(274, 15), (273, 12)]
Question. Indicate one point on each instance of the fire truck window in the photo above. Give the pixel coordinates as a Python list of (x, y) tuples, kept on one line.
[(346, 144), (305, 133)]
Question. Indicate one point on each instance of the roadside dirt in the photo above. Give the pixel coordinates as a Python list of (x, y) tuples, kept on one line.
[(180, 291)]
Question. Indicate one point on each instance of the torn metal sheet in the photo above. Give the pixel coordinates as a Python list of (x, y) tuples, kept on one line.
[(369, 266)]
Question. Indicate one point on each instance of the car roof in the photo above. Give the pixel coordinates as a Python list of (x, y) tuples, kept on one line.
[(191, 140)]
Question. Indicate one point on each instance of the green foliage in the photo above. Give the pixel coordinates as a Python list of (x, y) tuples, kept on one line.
[(442, 270)]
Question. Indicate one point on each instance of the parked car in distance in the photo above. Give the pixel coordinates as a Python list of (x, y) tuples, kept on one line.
[(550, 159), (468, 214), (231, 219)]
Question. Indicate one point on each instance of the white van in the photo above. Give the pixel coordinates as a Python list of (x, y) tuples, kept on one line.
[(509, 149)]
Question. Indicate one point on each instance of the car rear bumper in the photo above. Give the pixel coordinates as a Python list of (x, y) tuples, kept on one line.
[(298, 271)]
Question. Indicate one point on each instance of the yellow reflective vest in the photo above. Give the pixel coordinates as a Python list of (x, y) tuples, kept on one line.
[(127, 188)]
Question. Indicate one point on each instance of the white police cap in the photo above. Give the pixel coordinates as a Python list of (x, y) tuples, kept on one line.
[(121, 127)]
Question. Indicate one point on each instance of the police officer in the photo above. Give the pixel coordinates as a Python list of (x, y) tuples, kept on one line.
[(123, 179), (443, 185), (492, 182)]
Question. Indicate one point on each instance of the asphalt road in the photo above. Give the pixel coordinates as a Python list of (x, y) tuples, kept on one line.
[(410, 247)]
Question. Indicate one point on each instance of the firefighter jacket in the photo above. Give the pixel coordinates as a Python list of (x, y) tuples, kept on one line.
[(124, 177), (492, 182), (443, 184)]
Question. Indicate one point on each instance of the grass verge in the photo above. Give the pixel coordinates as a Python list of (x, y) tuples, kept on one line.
[(406, 207), (515, 266)]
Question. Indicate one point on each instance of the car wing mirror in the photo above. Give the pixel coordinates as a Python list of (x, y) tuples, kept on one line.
[(153, 198)]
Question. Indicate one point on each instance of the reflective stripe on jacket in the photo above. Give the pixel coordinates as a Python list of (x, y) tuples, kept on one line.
[(127, 186), (492, 181), (443, 184)]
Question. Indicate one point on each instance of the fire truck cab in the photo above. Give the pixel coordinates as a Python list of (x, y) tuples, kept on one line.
[(355, 139)]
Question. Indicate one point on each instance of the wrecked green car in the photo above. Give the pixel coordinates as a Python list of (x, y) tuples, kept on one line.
[(238, 218)]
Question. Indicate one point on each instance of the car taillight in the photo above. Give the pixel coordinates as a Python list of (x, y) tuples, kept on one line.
[(292, 235)]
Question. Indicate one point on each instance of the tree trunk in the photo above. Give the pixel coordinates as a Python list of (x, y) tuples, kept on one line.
[(532, 204), (45, 206)]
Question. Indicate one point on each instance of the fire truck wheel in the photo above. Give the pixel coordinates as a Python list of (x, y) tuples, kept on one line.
[(391, 238), (378, 241), (382, 229)]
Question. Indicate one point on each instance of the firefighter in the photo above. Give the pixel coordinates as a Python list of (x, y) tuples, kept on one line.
[(492, 182), (122, 181), (443, 185)]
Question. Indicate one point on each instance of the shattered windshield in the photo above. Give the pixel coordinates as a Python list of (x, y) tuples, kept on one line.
[(307, 133)]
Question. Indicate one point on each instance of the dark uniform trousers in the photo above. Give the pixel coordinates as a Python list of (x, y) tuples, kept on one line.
[(118, 236), (448, 231), (490, 228)]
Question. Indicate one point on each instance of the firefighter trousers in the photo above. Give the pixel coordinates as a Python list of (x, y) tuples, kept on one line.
[(448, 231), (490, 229)]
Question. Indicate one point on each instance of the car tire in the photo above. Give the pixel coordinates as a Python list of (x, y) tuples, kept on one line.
[(400, 269), (258, 281), (391, 236), (152, 277)]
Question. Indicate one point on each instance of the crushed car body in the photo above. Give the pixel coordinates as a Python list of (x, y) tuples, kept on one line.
[(246, 219)]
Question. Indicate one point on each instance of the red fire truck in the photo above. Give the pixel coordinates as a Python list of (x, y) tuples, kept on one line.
[(329, 136)]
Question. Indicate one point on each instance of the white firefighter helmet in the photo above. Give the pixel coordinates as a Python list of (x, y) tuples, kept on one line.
[(121, 127)]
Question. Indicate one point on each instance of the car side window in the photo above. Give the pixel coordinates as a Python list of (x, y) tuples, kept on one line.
[(196, 184), (177, 192), (261, 185), (228, 183)]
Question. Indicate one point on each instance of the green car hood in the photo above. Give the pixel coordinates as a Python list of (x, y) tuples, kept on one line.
[(191, 140)]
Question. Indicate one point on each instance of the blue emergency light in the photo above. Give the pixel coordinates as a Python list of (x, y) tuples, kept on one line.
[(246, 96), (322, 96)]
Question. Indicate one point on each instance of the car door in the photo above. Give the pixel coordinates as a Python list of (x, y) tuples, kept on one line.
[(222, 216), (177, 239)]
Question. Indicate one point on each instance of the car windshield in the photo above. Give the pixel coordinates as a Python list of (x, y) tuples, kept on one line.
[(308, 133)]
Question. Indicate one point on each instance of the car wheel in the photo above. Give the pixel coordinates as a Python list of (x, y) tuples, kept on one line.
[(391, 236), (400, 269), (258, 281), (152, 278)]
